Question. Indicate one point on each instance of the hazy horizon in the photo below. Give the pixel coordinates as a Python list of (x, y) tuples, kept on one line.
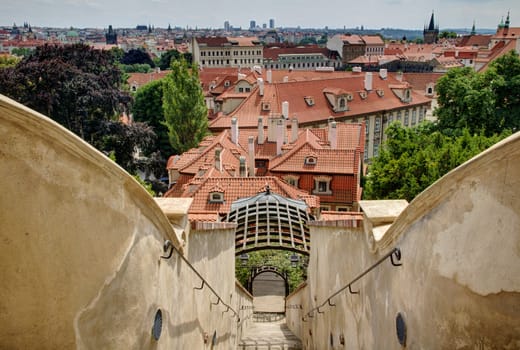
[(335, 14)]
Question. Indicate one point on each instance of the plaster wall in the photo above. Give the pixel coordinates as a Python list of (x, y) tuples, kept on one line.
[(80, 247), (459, 285)]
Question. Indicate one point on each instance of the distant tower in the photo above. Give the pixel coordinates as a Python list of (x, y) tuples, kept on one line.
[(271, 23), (252, 24), (227, 26), (431, 33), (473, 31), (111, 36)]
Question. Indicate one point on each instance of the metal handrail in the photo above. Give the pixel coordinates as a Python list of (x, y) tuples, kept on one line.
[(396, 252), (169, 247)]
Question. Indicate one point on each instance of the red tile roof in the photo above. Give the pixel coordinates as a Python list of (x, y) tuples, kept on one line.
[(141, 79), (237, 187), (295, 92), (475, 40), (226, 41), (273, 53)]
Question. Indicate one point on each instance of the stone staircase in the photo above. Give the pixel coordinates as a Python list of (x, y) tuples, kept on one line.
[(269, 336)]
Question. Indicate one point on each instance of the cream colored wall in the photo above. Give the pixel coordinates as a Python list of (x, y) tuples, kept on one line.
[(80, 247), (459, 285)]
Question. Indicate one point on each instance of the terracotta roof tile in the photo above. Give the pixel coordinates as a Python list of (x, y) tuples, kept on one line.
[(236, 188), (295, 93)]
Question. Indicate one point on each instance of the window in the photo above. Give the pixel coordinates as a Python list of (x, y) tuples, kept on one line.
[(342, 103), (260, 163), (406, 117), (324, 207), (367, 126), (421, 114), (376, 149), (292, 180), (398, 116), (216, 197), (377, 127), (407, 95), (322, 185), (414, 116), (343, 209), (310, 160)]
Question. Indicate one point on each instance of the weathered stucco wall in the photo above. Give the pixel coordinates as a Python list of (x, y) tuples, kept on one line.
[(80, 247), (459, 285)]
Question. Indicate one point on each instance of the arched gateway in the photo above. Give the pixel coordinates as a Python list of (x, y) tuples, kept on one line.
[(270, 221)]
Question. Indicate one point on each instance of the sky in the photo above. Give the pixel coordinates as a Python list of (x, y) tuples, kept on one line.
[(371, 14)]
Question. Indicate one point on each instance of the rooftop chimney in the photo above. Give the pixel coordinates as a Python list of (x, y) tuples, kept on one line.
[(218, 159), (260, 82), (368, 81), (286, 79), (399, 76), (269, 76), (285, 109), (383, 73), (234, 131), (260, 130), (333, 135), (242, 168), (279, 136), (251, 144), (294, 130)]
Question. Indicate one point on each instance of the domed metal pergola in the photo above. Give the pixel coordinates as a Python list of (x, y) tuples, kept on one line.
[(270, 221)]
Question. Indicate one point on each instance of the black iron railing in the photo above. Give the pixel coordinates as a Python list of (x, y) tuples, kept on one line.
[(169, 248), (394, 253)]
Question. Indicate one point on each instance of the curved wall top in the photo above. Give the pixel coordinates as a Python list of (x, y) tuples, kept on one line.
[(496, 170), (69, 219)]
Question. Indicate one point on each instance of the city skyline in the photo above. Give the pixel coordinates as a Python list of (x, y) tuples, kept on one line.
[(372, 14)]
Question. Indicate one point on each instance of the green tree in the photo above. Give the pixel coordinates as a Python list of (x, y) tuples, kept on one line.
[(137, 56), (167, 58), (148, 107), (135, 68), (80, 88), (185, 112), (504, 79), (21, 51), (487, 102), (8, 61), (413, 158), (278, 258)]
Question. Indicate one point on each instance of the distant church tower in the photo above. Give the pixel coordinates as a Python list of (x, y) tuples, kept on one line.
[(431, 33), (111, 36)]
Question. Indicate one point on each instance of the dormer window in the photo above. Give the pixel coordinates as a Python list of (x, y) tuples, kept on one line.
[(311, 160), (363, 94), (216, 197), (407, 95), (380, 93), (342, 103), (309, 100), (227, 83), (350, 97), (266, 106)]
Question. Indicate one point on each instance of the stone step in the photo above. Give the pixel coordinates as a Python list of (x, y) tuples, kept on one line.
[(269, 336)]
